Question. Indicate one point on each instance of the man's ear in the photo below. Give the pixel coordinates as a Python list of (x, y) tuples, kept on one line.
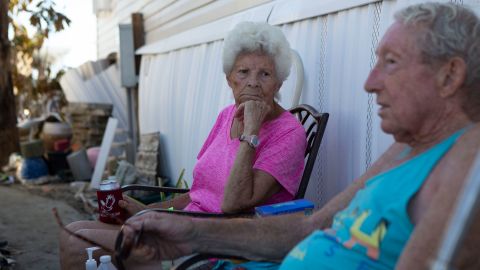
[(451, 76)]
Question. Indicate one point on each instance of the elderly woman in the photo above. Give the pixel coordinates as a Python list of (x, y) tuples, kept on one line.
[(426, 81), (254, 152)]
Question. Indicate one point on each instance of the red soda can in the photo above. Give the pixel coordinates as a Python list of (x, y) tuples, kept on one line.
[(108, 196)]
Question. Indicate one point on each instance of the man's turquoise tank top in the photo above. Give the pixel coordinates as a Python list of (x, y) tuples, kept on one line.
[(373, 230), (375, 227)]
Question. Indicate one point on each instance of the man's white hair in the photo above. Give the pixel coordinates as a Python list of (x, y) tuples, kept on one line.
[(248, 37), (448, 30)]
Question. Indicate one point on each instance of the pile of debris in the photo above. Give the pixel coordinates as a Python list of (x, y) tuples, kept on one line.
[(43, 151), (89, 121)]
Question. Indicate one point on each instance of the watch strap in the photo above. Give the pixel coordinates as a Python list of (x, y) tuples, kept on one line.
[(252, 140)]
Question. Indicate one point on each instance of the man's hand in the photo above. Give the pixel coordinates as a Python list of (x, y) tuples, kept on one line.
[(131, 206), (162, 236)]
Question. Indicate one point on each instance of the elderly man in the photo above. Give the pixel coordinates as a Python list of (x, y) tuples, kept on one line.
[(426, 81)]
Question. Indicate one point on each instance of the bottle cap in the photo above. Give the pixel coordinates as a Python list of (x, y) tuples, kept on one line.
[(105, 259), (90, 251)]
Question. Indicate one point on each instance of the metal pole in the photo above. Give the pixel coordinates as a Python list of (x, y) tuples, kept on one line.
[(132, 125), (460, 221)]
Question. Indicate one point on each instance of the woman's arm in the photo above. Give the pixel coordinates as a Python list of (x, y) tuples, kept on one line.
[(179, 202), (132, 206), (245, 186)]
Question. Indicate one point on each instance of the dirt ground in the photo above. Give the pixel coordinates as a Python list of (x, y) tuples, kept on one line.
[(27, 222)]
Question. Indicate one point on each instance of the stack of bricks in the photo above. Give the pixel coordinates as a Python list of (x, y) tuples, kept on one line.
[(147, 165), (89, 121), (146, 160)]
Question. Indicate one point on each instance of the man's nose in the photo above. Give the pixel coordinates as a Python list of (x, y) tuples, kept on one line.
[(374, 81)]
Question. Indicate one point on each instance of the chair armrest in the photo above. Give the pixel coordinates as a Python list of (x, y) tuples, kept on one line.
[(156, 189), (199, 214)]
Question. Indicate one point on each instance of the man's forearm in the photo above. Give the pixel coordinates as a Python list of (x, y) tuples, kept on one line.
[(254, 239)]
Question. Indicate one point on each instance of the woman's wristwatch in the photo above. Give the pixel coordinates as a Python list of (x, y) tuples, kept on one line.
[(252, 140)]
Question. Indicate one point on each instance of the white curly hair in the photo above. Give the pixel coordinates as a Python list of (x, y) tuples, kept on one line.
[(249, 37)]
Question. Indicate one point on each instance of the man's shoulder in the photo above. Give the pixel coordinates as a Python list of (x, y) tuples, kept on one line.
[(470, 139), (465, 149), (453, 168)]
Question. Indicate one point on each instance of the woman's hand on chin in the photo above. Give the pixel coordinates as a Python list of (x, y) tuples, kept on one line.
[(252, 113)]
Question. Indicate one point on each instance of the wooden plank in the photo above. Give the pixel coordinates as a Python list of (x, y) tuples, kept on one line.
[(104, 152), (206, 14), (212, 31), (155, 7), (174, 11), (138, 37)]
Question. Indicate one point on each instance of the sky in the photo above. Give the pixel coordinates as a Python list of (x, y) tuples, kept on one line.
[(77, 44)]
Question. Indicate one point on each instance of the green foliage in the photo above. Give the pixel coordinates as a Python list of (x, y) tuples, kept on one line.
[(31, 72), (181, 183)]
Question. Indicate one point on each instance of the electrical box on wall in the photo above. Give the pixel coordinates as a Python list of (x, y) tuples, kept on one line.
[(127, 56)]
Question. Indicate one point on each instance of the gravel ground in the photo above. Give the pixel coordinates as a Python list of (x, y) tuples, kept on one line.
[(27, 222)]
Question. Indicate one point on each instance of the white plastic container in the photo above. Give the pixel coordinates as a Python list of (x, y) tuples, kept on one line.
[(91, 263), (106, 263)]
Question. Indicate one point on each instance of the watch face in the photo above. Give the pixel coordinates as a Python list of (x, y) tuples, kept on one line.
[(254, 141), (251, 139)]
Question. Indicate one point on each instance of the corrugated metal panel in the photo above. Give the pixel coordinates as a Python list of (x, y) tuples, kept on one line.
[(181, 102), (286, 11), (87, 84)]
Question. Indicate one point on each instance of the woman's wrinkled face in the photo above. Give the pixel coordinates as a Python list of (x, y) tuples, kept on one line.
[(253, 77)]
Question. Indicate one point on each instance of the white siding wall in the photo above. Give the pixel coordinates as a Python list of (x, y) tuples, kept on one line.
[(162, 18), (183, 88)]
